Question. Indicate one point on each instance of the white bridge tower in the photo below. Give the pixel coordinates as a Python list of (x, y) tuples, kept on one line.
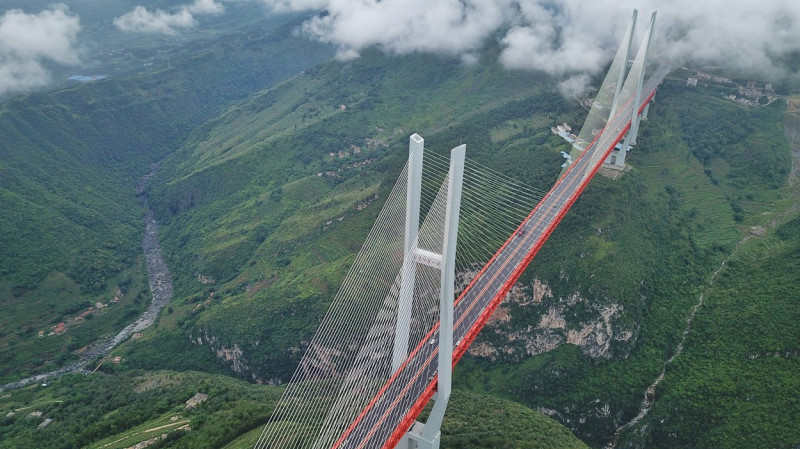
[(426, 436), (617, 156)]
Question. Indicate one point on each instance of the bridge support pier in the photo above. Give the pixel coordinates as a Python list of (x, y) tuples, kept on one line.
[(414, 439)]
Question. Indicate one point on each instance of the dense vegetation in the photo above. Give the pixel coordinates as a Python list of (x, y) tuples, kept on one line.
[(476, 421), (71, 226), (736, 383), (666, 226), (119, 409), (264, 201), (244, 201)]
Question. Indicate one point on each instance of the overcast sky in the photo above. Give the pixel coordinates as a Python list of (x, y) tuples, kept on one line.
[(566, 38)]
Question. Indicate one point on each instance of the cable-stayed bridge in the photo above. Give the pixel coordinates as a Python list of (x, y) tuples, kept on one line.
[(420, 291)]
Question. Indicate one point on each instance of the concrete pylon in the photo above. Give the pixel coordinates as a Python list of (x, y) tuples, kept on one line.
[(416, 148), (641, 59), (427, 436), (625, 52)]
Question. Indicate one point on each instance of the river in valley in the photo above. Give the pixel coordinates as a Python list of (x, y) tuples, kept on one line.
[(160, 281)]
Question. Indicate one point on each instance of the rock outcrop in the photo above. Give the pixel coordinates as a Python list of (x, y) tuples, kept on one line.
[(594, 327)]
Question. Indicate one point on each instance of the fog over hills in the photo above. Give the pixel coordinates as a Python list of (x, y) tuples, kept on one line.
[(567, 38), (559, 36)]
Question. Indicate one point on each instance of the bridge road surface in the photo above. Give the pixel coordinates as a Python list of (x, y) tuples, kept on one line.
[(390, 414)]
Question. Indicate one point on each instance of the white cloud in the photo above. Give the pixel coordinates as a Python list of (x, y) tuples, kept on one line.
[(743, 33), (560, 37), (206, 7), (574, 85), (295, 5), (27, 41), (142, 20), (403, 26)]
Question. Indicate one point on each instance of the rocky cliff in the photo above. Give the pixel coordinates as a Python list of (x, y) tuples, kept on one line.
[(531, 321)]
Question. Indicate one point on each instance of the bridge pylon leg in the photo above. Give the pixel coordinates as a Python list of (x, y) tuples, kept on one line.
[(626, 51), (617, 157), (416, 149)]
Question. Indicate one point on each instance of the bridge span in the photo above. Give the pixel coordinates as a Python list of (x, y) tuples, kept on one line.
[(358, 386), (383, 422)]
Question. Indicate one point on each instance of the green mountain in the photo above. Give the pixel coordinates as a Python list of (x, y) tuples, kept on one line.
[(736, 384), (626, 268), (273, 167), (70, 161), (265, 207), (197, 410), (121, 410)]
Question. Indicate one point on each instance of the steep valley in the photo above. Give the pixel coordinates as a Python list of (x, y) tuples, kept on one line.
[(621, 274), (264, 194), (71, 227)]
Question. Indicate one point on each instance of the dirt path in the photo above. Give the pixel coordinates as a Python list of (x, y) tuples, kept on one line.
[(183, 422), (793, 135), (649, 395)]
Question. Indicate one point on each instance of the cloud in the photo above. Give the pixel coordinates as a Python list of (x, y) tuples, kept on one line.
[(206, 7), (748, 35), (28, 41), (403, 26), (560, 37), (142, 20), (574, 85), (295, 5)]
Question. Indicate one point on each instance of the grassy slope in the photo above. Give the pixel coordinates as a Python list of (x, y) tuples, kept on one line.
[(71, 226), (118, 410), (247, 208), (115, 410), (736, 382)]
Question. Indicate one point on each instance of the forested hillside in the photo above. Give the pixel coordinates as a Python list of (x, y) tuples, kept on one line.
[(263, 212), (197, 410), (624, 271), (70, 160), (735, 383)]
